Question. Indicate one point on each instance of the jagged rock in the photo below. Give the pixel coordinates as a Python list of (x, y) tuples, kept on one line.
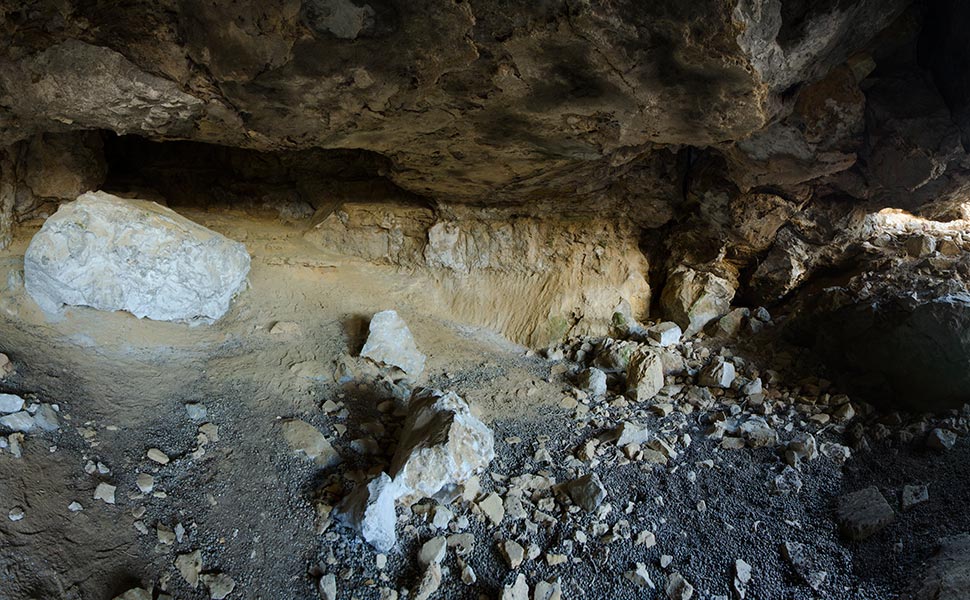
[(370, 510), (640, 576), (189, 567), (518, 590), (718, 373), (547, 590), (864, 513), (593, 381), (802, 447), (433, 551), (694, 298), (442, 445), (430, 582), (678, 588), (941, 439), (391, 344), (307, 440), (113, 254), (665, 334), (913, 495), (219, 585), (513, 553), (328, 587), (801, 559), (21, 421), (587, 492), (645, 375), (632, 433)]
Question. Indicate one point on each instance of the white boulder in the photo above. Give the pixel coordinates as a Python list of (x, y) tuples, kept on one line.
[(645, 375), (114, 254), (390, 343), (442, 445), (370, 510)]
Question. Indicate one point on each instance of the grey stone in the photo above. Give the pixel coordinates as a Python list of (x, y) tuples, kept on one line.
[(864, 513), (10, 403), (593, 381), (46, 418), (113, 254), (21, 421), (913, 495), (801, 559), (665, 334), (678, 588), (694, 298), (433, 551), (645, 375), (947, 576), (587, 492), (941, 439), (718, 373), (307, 440)]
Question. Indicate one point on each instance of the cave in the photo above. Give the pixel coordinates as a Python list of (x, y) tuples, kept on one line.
[(374, 299)]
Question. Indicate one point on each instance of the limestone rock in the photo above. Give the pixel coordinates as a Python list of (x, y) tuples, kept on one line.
[(948, 575), (219, 585), (113, 254), (864, 513), (442, 445), (513, 553), (718, 373), (678, 588), (306, 439), (391, 344), (21, 421), (645, 375), (666, 334), (189, 567), (593, 381), (370, 510), (694, 298), (517, 590)]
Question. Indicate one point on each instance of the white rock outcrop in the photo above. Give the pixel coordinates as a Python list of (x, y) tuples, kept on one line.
[(390, 343), (442, 445), (115, 254)]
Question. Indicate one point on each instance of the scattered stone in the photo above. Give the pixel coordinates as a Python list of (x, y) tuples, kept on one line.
[(587, 492), (801, 447), (913, 495), (678, 588), (46, 418), (645, 375), (948, 574), (158, 456), (941, 439), (864, 513), (307, 440), (10, 403), (145, 483), (21, 421), (513, 553), (189, 567), (800, 559), (632, 433), (370, 510), (789, 481), (105, 493), (391, 344), (135, 594), (519, 590), (646, 538), (75, 507), (920, 245), (593, 381), (548, 590), (328, 587), (219, 585), (433, 551), (112, 254), (196, 411), (16, 513), (429, 583), (719, 373), (285, 328), (442, 445), (468, 576), (665, 560), (742, 577), (493, 508), (640, 576), (665, 334)]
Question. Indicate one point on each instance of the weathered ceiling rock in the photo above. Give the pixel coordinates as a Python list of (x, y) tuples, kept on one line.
[(481, 100)]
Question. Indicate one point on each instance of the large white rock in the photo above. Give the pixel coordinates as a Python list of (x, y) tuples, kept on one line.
[(390, 343), (442, 445), (114, 254)]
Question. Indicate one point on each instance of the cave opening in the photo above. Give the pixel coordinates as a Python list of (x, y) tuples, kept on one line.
[(316, 300)]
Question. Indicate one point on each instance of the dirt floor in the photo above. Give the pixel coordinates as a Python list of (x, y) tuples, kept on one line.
[(250, 504)]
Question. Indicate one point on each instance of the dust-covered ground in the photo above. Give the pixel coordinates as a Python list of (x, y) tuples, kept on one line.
[(253, 508)]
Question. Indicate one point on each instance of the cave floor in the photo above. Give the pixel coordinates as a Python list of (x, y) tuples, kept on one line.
[(249, 503)]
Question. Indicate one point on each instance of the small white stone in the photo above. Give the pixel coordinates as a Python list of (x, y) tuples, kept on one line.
[(433, 551), (16, 513), (105, 492), (75, 507), (158, 456), (10, 403)]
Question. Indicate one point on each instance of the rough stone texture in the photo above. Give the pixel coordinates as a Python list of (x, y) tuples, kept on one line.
[(694, 298), (442, 445), (645, 375), (864, 513), (307, 440), (370, 510), (113, 254), (391, 344), (948, 575)]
